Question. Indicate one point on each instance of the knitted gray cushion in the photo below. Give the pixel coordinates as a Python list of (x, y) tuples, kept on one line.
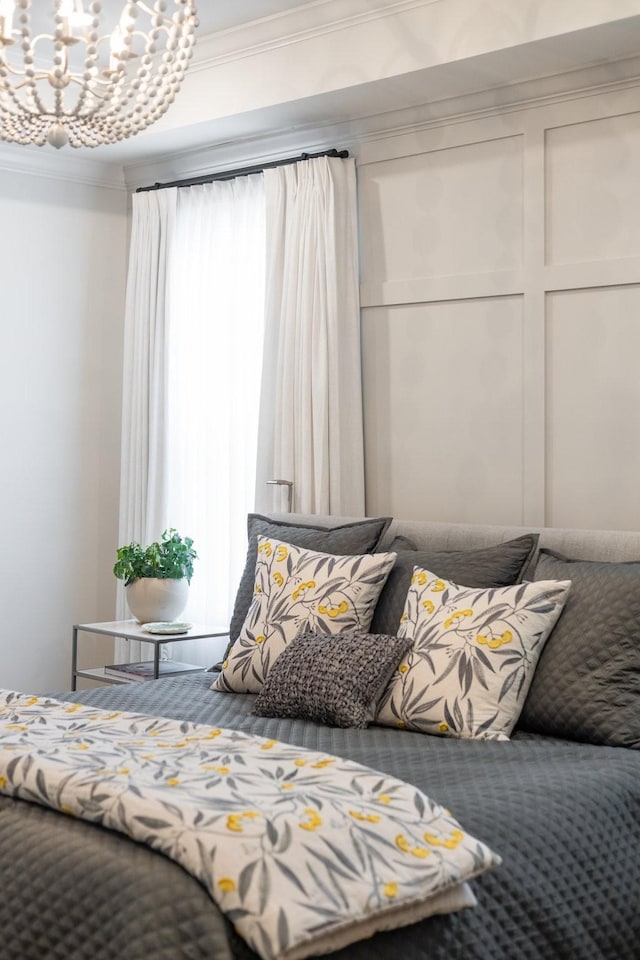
[(499, 566), (345, 539), (335, 680), (587, 683)]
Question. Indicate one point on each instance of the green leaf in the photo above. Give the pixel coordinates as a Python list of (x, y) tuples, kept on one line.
[(168, 559)]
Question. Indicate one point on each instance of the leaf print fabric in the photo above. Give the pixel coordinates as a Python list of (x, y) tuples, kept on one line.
[(300, 591), (473, 656), (304, 852)]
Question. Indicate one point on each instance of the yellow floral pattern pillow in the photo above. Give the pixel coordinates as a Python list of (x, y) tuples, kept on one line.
[(300, 591), (473, 655)]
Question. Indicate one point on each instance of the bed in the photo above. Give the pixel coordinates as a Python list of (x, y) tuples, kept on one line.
[(560, 808)]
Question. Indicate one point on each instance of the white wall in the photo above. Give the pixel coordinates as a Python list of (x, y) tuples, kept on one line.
[(501, 316), (63, 254)]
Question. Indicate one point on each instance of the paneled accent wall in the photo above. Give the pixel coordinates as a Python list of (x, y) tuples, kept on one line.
[(501, 316)]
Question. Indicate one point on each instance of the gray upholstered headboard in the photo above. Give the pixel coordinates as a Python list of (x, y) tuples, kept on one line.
[(576, 544)]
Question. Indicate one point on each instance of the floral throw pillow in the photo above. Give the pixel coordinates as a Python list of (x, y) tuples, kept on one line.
[(473, 655), (300, 591)]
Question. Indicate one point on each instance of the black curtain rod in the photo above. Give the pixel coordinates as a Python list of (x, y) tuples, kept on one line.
[(243, 171)]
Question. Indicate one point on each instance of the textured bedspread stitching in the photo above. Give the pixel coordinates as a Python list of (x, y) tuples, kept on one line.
[(304, 852)]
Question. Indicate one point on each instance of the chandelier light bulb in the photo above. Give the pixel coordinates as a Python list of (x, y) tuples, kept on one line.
[(75, 74)]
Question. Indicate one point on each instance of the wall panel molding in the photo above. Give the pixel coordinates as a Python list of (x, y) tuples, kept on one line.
[(593, 273), (592, 461), (439, 377), (533, 334), (434, 289), (561, 368)]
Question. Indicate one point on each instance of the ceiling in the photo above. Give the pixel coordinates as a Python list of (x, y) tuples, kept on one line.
[(214, 15), (223, 14), (217, 15)]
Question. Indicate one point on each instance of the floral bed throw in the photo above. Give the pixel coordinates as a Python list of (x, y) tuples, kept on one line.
[(304, 852)]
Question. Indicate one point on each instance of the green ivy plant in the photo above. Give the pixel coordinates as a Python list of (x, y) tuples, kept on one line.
[(170, 559)]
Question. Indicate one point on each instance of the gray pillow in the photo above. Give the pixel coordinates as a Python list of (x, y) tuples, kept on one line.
[(498, 566), (335, 680), (345, 539), (587, 683)]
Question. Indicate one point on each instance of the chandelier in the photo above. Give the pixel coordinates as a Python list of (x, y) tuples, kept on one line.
[(78, 76)]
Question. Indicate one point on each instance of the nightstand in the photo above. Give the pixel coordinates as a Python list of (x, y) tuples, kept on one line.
[(132, 630)]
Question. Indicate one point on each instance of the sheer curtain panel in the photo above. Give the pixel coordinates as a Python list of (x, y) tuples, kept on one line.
[(193, 348), (311, 425), (215, 359)]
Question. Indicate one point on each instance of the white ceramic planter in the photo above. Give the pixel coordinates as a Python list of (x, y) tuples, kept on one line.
[(151, 599)]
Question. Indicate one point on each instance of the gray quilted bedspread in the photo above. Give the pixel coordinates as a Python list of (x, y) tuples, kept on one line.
[(565, 818)]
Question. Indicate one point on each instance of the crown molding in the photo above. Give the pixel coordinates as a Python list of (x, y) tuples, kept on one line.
[(290, 139), (304, 22), (61, 165), (510, 98)]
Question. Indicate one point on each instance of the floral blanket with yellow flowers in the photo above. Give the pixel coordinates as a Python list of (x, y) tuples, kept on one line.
[(304, 852)]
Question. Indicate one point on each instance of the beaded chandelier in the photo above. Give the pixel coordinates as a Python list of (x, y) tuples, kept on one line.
[(84, 77)]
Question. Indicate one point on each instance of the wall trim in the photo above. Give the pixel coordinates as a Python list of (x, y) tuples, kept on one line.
[(517, 97), (306, 22), (362, 131), (54, 165)]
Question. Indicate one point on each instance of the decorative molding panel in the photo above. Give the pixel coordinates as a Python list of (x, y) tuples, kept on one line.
[(519, 338), (443, 410), (593, 200), (593, 408), (464, 204)]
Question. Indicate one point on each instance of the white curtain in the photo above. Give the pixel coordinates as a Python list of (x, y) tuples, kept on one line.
[(216, 341), (242, 365), (144, 457), (193, 347), (311, 425)]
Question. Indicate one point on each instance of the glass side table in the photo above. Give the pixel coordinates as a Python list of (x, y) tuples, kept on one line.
[(132, 630)]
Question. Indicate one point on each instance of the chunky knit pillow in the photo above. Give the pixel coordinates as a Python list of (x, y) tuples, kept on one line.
[(335, 680)]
